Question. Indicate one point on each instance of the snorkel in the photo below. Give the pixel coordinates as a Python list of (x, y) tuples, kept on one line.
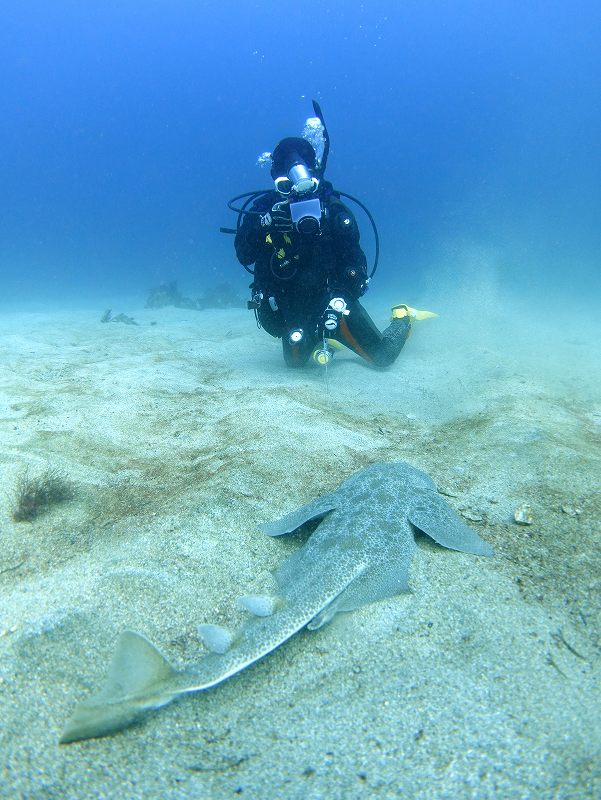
[(316, 133)]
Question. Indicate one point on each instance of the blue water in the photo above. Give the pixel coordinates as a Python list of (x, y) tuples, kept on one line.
[(126, 126)]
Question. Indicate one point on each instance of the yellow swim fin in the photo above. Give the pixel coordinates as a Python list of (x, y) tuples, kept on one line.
[(403, 310), (323, 355)]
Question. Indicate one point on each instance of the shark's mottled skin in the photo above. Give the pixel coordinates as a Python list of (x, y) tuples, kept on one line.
[(360, 552)]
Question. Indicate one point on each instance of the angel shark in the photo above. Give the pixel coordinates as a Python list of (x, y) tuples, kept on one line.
[(360, 551)]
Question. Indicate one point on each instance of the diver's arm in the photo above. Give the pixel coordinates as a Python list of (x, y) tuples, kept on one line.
[(248, 240), (351, 260)]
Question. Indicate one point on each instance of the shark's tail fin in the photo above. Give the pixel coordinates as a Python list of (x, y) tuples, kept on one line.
[(139, 679)]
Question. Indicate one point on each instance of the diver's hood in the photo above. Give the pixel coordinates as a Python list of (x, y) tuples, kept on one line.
[(289, 153)]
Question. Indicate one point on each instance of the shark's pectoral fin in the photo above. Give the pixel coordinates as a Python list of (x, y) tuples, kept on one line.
[(138, 680), (291, 522), (434, 516)]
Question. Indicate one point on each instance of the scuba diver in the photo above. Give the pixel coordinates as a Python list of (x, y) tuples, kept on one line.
[(309, 268)]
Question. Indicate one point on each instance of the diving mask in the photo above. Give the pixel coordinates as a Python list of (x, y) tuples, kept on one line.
[(298, 180)]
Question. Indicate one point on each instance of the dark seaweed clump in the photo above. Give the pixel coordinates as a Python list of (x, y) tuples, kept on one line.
[(37, 494)]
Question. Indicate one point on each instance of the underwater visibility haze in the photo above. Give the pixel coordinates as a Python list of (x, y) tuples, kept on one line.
[(127, 127)]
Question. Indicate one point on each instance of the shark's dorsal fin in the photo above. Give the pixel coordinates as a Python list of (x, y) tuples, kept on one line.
[(260, 605), (216, 638)]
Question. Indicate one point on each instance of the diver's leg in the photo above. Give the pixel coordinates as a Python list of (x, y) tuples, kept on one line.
[(270, 320), (393, 341), (358, 331), (297, 354)]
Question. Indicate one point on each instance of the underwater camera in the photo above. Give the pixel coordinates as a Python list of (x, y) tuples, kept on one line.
[(306, 216)]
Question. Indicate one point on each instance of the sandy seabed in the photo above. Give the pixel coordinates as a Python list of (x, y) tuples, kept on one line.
[(179, 435)]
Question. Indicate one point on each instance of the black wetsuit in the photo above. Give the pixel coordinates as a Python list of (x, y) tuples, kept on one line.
[(297, 275)]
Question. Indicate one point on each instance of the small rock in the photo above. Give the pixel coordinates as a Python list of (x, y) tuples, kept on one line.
[(122, 318), (571, 511), (523, 515)]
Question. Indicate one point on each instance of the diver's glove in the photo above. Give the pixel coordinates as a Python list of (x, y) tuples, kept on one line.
[(280, 217)]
